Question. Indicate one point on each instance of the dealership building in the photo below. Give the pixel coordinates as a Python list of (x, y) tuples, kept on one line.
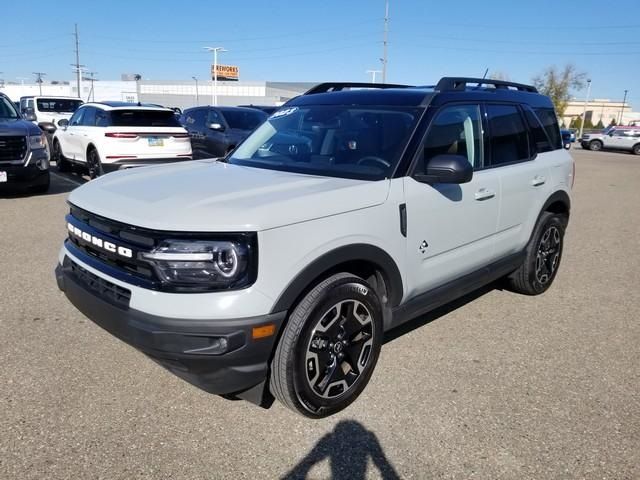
[(181, 94)]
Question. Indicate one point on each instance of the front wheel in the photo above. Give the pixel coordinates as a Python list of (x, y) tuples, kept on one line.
[(542, 256), (636, 149), (329, 347), (61, 162), (595, 145)]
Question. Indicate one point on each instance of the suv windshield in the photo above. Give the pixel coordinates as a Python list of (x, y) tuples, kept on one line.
[(7, 110), (357, 142), (144, 118), (58, 105), (244, 119)]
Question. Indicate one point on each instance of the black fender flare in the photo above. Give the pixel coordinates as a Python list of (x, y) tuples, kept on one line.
[(348, 253), (557, 197)]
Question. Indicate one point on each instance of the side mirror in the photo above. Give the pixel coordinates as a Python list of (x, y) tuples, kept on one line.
[(446, 169), (567, 146), (218, 127), (63, 122), (47, 127), (611, 134)]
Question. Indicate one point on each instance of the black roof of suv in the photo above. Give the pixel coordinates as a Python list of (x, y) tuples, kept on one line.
[(446, 90)]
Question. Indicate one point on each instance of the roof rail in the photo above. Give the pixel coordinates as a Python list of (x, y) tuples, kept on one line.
[(460, 83), (338, 86)]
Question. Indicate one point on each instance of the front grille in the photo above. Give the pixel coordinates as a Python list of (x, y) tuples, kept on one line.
[(119, 234), (12, 148), (103, 288)]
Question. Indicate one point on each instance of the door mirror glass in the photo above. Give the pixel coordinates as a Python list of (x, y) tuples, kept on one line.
[(446, 168), (63, 122), (216, 126)]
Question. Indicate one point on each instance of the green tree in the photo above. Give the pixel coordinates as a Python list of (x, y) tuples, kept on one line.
[(557, 83), (575, 123), (588, 123), (600, 125)]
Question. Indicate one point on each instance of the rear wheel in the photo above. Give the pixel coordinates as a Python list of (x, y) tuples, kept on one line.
[(636, 149), (595, 145), (94, 166), (329, 347), (61, 162), (542, 259)]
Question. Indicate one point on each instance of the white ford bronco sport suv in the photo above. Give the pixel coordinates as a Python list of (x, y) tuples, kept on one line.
[(355, 208)]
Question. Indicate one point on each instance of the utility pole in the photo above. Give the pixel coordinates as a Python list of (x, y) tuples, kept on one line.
[(385, 41), (584, 109), (197, 93), (373, 74), (77, 64), (624, 101), (214, 93), (39, 76), (92, 92)]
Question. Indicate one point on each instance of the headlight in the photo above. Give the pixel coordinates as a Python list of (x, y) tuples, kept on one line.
[(205, 264), (37, 141)]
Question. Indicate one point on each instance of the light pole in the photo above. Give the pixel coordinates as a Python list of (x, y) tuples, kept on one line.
[(373, 74), (624, 100), (584, 110), (215, 50), (197, 93)]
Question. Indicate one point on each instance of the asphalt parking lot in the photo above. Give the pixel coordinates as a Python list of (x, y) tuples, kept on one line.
[(496, 386)]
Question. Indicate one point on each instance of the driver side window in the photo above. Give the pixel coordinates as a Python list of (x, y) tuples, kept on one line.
[(76, 119), (456, 130)]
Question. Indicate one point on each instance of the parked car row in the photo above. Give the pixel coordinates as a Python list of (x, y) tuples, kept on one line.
[(100, 137)]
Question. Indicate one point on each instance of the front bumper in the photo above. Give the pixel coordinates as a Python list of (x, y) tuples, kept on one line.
[(112, 166), (26, 176), (218, 356)]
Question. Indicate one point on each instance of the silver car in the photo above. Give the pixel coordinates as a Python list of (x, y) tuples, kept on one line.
[(614, 138)]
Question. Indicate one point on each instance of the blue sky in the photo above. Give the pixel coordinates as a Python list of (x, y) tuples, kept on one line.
[(327, 39)]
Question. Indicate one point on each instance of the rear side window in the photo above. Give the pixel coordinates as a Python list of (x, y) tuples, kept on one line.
[(539, 140), (509, 140), (143, 118), (244, 120), (89, 117), (102, 118), (550, 123), (194, 118)]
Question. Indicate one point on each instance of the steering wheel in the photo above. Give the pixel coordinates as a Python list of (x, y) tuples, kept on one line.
[(373, 159)]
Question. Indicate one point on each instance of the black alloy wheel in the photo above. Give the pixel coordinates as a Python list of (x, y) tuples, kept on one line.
[(94, 166)]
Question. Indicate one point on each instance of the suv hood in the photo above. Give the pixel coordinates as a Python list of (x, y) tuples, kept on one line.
[(17, 127), (209, 196)]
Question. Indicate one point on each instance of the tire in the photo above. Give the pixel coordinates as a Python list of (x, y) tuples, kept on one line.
[(61, 162), (313, 371), (636, 149), (94, 166), (543, 256), (595, 145), (44, 188)]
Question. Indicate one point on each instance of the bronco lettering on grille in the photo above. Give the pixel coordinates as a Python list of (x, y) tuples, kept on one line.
[(99, 242)]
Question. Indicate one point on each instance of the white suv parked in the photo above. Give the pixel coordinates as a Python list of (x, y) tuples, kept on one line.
[(112, 135), (614, 138), (351, 210)]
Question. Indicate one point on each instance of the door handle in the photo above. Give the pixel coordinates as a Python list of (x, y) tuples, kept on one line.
[(538, 180), (484, 194)]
